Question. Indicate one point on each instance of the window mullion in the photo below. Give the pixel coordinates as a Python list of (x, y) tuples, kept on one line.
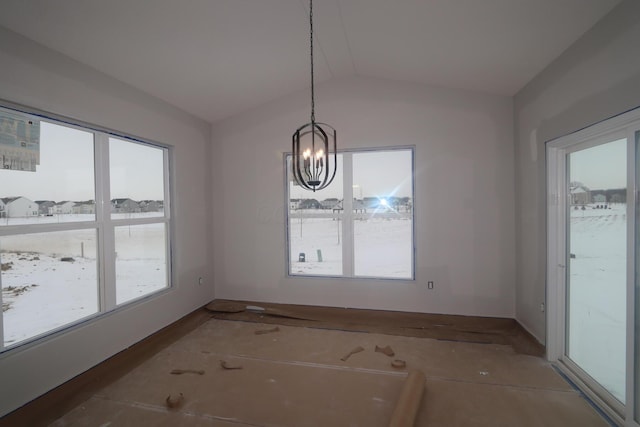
[(347, 212), (106, 247)]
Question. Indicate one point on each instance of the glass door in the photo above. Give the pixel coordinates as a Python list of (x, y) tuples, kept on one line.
[(593, 263), (596, 273)]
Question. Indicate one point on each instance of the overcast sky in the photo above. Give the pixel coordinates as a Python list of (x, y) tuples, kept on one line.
[(602, 167), (66, 169), (375, 174)]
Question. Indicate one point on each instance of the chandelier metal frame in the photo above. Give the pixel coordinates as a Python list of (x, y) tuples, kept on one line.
[(314, 144)]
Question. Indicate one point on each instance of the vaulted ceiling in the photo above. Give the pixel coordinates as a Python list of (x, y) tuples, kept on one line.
[(216, 58)]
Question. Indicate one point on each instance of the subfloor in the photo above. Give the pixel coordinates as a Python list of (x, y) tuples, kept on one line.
[(295, 376)]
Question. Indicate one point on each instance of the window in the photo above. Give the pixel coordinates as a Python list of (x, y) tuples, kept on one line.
[(137, 179), (359, 226), (84, 224)]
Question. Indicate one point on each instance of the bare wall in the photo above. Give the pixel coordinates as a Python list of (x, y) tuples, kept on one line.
[(464, 196), (35, 76), (596, 78)]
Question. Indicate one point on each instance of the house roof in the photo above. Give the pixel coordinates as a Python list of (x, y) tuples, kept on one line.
[(7, 200), (232, 55), (578, 190)]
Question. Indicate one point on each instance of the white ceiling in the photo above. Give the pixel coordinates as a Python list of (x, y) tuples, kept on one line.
[(216, 58)]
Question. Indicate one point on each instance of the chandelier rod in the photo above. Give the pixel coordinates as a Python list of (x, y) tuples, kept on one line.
[(313, 106)]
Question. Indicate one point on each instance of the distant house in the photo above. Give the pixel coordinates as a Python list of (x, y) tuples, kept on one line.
[(580, 194), (618, 198), (330, 203), (359, 206), (2, 209), (19, 207), (294, 204), (63, 208), (310, 204), (370, 202), (337, 208), (84, 208), (124, 206), (405, 203), (45, 207), (150, 206)]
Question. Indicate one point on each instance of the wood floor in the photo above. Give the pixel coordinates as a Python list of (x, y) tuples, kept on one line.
[(294, 375)]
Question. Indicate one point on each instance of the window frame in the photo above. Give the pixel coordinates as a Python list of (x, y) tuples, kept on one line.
[(348, 217), (103, 223)]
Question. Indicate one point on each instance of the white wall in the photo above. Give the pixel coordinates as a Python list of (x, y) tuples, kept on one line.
[(464, 196), (596, 78), (37, 77)]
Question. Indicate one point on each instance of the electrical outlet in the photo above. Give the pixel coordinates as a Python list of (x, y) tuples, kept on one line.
[(542, 307), (200, 281), (430, 284)]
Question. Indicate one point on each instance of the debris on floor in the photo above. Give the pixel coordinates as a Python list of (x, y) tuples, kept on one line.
[(286, 381), (385, 350), (187, 371), (358, 349), (218, 306), (419, 325), (399, 364), (406, 410), (267, 331), (228, 366), (174, 402)]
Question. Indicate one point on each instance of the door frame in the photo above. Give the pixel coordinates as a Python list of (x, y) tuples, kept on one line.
[(622, 126)]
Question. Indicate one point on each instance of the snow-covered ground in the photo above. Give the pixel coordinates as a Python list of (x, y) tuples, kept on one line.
[(383, 246), (50, 279), (41, 293), (597, 294), (61, 218), (310, 235)]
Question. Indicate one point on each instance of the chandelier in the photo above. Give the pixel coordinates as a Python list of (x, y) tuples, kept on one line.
[(314, 159)]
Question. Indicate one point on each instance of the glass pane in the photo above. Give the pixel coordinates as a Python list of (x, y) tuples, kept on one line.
[(315, 246), (48, 280), (383, 229), (141, 260), (315, 227), (61, 189), (313, 202), (596, 291), (137, 179)]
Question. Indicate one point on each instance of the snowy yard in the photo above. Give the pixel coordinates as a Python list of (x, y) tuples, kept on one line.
[(44, 289), (597, 294), (383, 247)]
